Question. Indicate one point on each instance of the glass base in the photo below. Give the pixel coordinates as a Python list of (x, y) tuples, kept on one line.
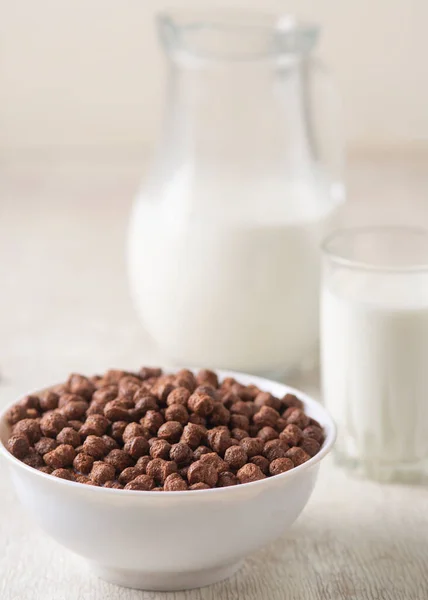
[(384, 472), (307, 370), (296, 375), (300, 375)]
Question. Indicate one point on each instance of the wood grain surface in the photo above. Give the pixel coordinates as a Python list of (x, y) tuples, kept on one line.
[(64, 307)]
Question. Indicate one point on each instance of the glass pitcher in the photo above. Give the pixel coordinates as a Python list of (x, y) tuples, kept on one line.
[(223, 254)]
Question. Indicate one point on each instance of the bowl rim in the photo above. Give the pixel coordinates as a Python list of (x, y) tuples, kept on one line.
[(328, 425)]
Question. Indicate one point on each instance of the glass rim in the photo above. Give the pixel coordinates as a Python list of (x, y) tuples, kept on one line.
[(284, 32), (348, 232), (236, 17)]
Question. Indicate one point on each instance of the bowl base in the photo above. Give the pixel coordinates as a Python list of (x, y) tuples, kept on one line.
[(164, 581)]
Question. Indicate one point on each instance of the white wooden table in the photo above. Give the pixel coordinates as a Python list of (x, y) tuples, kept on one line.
[(64, 307)]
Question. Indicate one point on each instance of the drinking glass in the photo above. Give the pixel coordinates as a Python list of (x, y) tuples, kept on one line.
[(374, 349)]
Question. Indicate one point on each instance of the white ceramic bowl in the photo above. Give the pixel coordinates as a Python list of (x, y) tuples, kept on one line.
[(174, 540)]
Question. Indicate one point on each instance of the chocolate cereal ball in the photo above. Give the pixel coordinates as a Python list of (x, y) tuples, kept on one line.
[(207, 377), (261, 462), (267, 433), (266, 417), (110, 443), (240, 422), (45, 445), (15, 413), (202, 473), (236, 457), (143, 462), (291, 434), (143, 403), (310, 445), (199, 451), (226, 479), (178, 396), (170, 431), (62, 456), (297, 455), (75, 409), (199, 486), (152, 421), (201, 404), (216, 461), (119, 459), (160, 449), (193, 435), (49, 401), (252, 446), (19, 446), (63, 474), (133, 430), (113, 484), (115, 410), (280, 465), (175, 483), (267, 399), (275, 449), (52, 423), (70, 436), (185, 378), (33, 459), (314, 432), (142, 483), (101, 472), (129, 474), (95, 446), (298, 417), (177, 413), (29, 428), (181, 453), (159, 469), (116, 430), (137, 447), (219, 440), (83, 462), (249, 473)]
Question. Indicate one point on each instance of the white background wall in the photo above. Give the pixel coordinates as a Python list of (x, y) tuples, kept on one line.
[(77, 73)]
